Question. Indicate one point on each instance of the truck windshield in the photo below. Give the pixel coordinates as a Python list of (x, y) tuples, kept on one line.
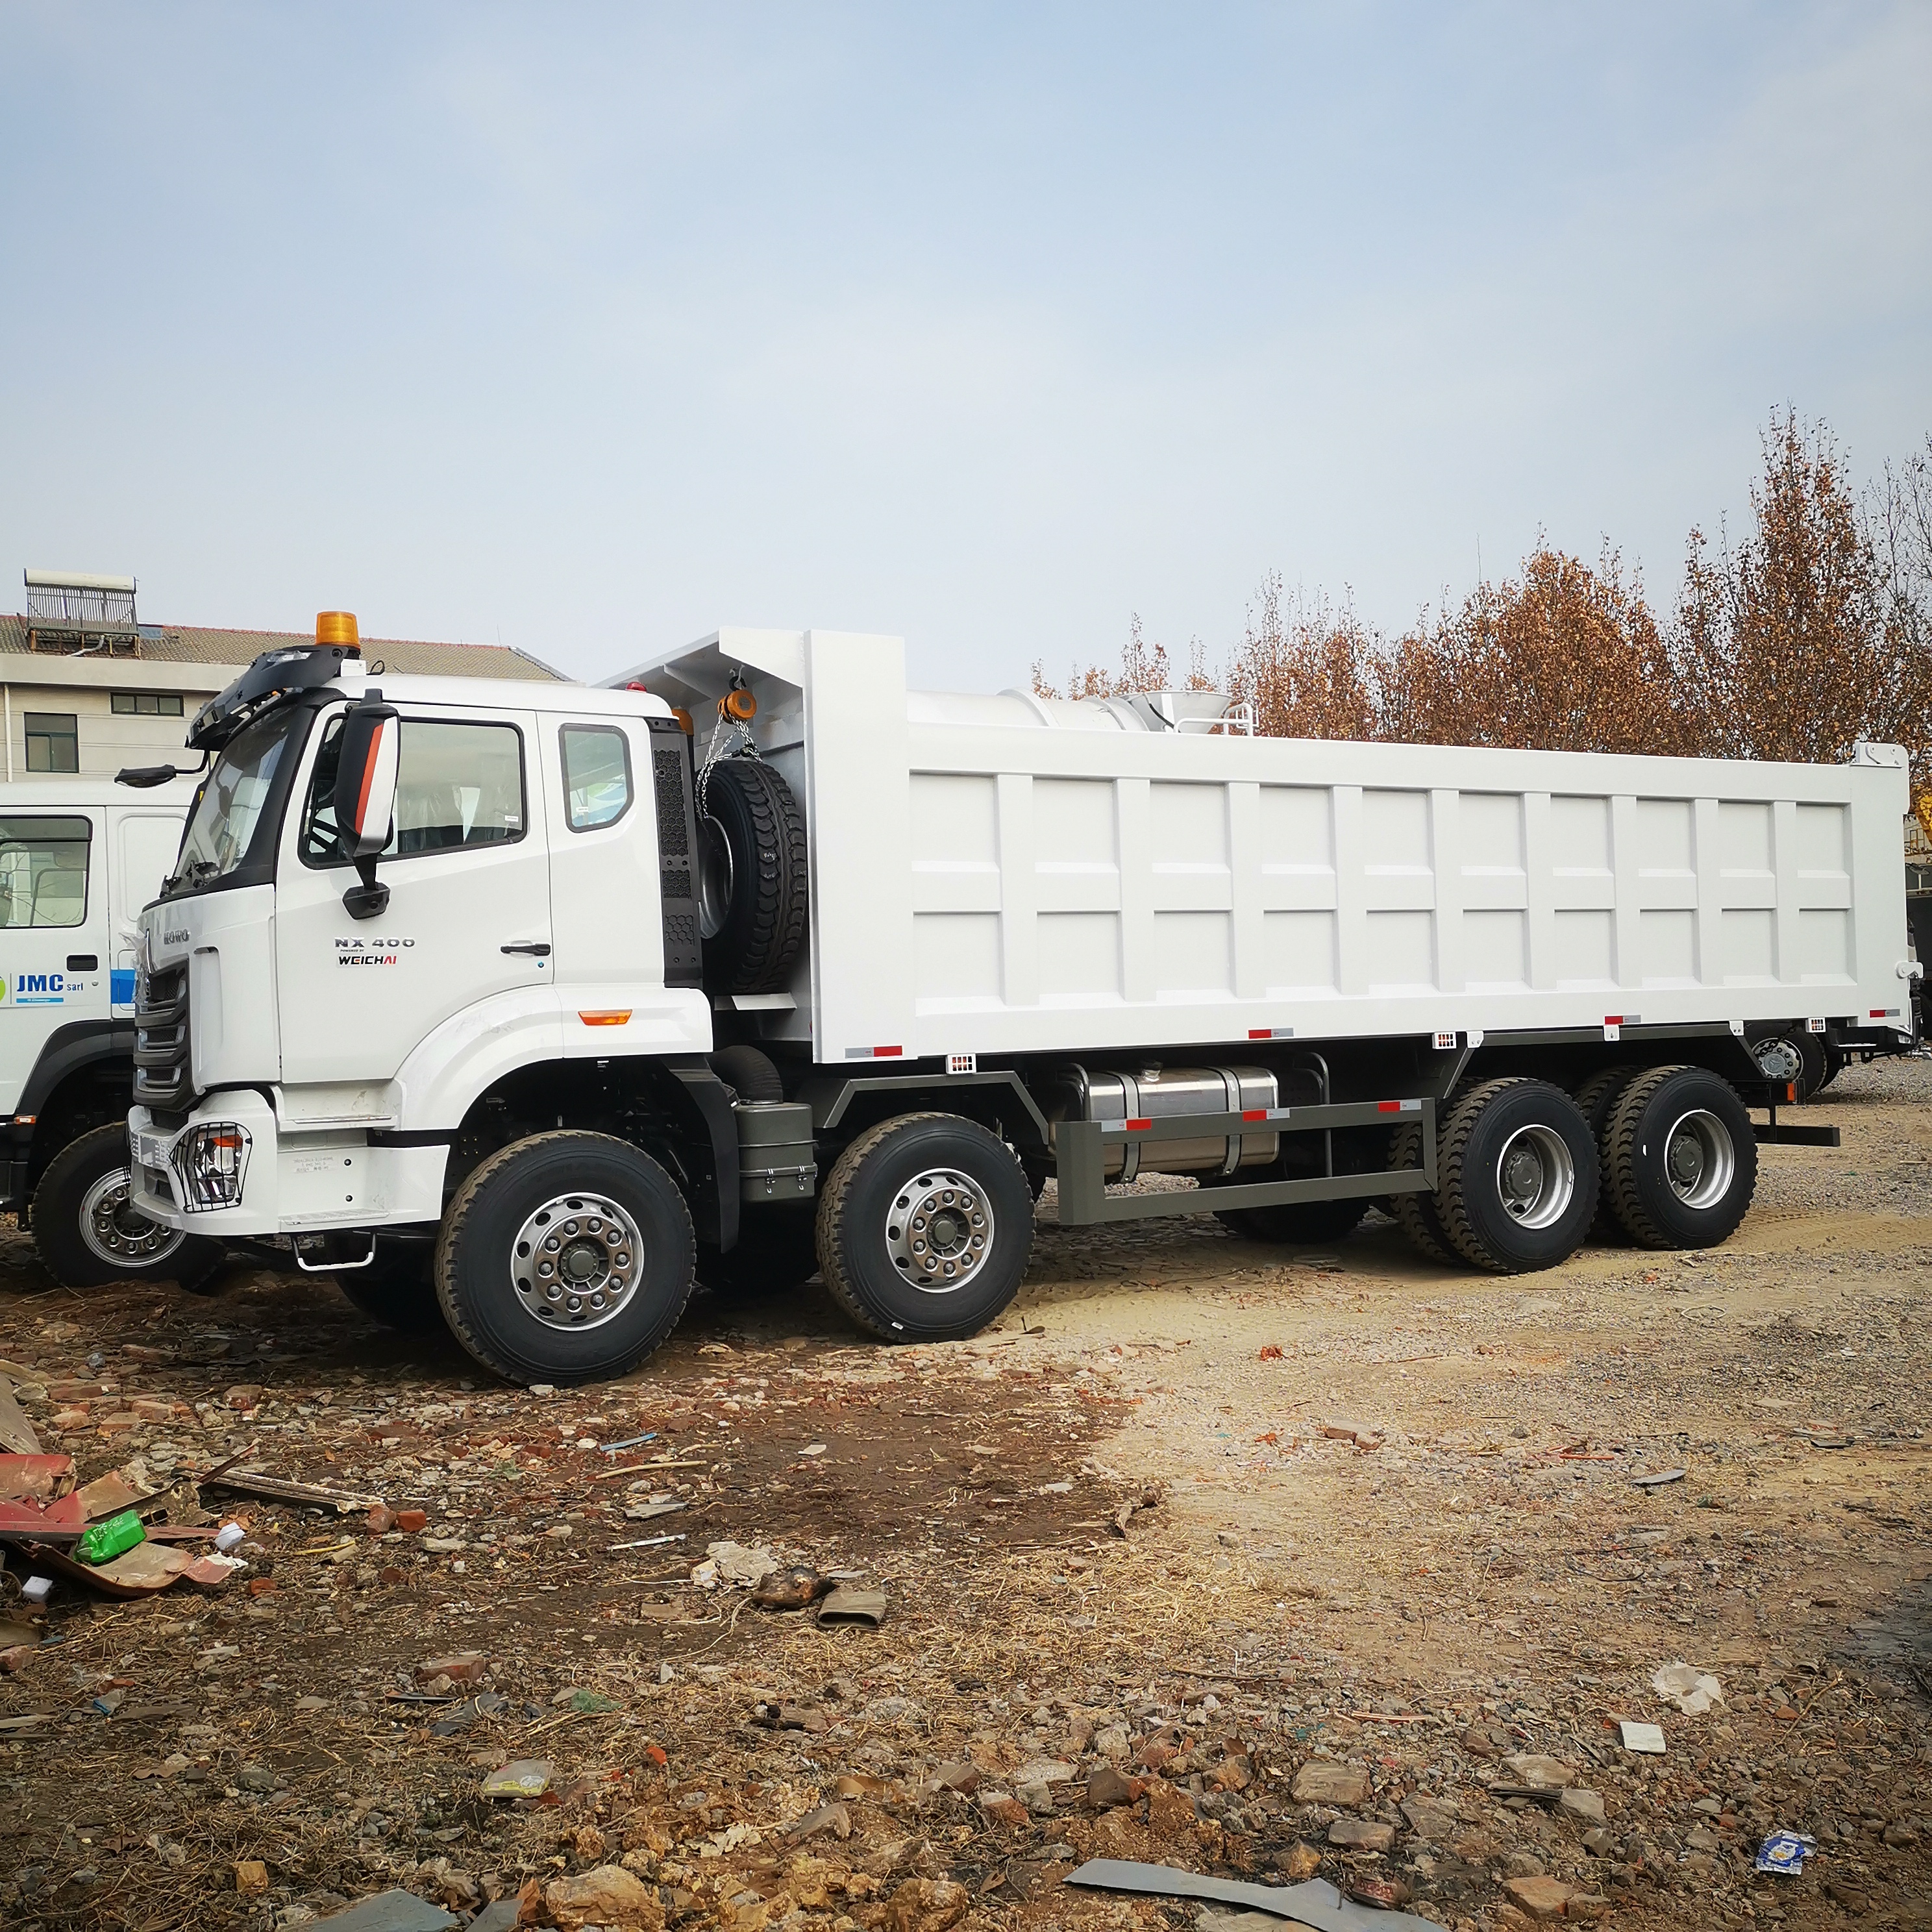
[(231, 818)]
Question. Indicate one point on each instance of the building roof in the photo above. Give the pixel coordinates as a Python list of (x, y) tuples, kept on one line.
[(201, 644)]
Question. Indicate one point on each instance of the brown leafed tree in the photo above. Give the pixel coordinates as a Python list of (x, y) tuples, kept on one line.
[(1565, 658), (1143, 667), (1309, 671), (1788, 645)]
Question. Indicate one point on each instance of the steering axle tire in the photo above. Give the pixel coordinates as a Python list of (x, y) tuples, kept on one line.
[(925, 1228), (85, 1234), (565, 1258)]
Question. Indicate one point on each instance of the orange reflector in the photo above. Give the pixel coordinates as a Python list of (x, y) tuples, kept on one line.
[(335, 627), (1791, 1091), (607, 1019), (683, 718)]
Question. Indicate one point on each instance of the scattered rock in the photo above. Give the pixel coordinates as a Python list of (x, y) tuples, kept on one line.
[(1321, 1781), (1545, 1773), (1541, 1897), (927, 1905), (1361, 1834), (830, 1817), (1108, 1784), (251, 1878), (1580, 1803)]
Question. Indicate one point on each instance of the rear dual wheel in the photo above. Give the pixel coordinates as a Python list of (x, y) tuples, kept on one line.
[(1680, 1159)]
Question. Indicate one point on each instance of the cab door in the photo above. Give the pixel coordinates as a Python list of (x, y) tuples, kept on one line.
[(142, 846), (53, 935), (468, 921)]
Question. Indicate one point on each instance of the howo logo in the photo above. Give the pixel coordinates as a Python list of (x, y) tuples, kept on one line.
[(174, 938)]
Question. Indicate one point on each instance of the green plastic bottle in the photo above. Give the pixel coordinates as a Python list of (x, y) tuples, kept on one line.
[(104, 1541)]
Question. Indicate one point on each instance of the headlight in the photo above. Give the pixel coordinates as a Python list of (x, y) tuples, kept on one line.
[(210, 1162)]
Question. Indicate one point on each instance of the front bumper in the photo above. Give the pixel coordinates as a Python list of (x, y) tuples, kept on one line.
[(291, 1182)]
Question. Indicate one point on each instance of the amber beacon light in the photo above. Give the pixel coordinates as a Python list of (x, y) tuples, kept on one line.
[(336, 627)]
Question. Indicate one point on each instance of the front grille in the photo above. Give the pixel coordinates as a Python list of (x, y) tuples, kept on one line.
[(671, 774), (162, 1079)]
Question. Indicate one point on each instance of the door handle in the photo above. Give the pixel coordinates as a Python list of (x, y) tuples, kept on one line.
[(83, 962), (538, 949)]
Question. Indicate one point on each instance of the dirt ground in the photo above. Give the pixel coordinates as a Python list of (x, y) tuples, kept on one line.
[(1457, 1583)]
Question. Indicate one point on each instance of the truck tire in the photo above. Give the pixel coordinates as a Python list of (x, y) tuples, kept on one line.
[(1796, 1055), (1294, 1223), (1596, 1100), (1418, 1216), (397, 1289), (751, 1074), (777, 1251), (1520, 1181), (565, 1258), (925, 1228), (85, 1234), (753, 878), (1681, 1158)]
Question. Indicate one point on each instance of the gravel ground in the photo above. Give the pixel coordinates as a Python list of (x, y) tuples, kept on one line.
[(1198, 1515)]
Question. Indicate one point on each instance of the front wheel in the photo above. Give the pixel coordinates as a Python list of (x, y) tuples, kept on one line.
[(86, 1233), (925, 1228), (565, 1258), (1519, 1176), (1681, 1158)]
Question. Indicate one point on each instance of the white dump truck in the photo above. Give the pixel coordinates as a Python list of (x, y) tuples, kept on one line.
[(527, 1004), (79, 859)]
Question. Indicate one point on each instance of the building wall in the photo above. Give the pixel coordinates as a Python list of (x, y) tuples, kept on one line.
[(69, 687)]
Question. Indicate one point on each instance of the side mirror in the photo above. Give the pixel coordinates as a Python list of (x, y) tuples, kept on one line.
[(365, 797)]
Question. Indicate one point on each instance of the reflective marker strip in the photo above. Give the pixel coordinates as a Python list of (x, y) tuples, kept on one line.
[(1884, 1012), (875, 1052), (1270, 1033)]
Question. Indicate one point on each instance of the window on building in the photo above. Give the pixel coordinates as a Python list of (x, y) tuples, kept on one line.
[(53, 741), (147, 704)]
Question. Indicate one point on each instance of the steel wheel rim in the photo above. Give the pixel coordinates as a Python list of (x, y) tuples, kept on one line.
[(113, 1232), (577, 1261), (939, 1230), (1779, 1059), (1536, 1177), (1699, 1159), (714, 878)]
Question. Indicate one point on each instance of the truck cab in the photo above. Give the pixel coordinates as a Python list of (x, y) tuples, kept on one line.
[(79, 859)]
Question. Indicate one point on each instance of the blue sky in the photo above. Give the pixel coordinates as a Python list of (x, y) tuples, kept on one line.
[(593, 327)]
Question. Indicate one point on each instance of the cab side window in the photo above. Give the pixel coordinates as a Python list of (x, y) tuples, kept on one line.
[(596, 775), (43, 871), (458, 785)]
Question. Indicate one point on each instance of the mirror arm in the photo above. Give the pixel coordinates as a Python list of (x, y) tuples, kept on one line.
[(370, 899)]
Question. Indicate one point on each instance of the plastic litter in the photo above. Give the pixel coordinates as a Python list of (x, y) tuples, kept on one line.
[(526, 1777), (104, 1541), (37, 1589), (228, 1536), (1784, 1852), (1692, 1690)]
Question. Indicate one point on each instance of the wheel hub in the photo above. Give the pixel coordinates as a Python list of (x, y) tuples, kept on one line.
[(1535, 1176), (114, 1231), (577, 1260), (1699, 1160), (939, 1230)]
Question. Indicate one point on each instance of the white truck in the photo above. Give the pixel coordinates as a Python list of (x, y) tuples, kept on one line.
[(526, 1004), (79, 859)]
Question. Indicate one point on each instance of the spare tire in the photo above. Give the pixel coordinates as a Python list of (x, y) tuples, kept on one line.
[(753, 877)]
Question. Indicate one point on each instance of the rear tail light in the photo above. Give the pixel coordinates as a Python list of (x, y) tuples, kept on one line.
[(212, 1161)]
